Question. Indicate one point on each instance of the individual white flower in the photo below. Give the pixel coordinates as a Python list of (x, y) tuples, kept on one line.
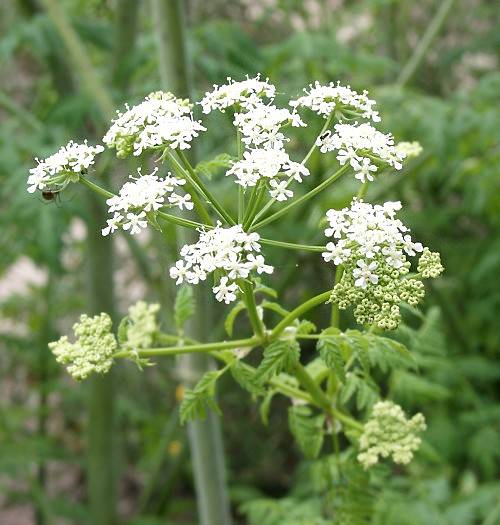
[(231, 251), (338, 253), (279, 190), (62, 167), (181, 201), (364, 274), (357, 144), (141, 194), (364, 170), (112, 224), (324, 99), (160, 120), (179, 272), (257, 263), (224, 291), (135, 222), (246, 93), (389, 433)]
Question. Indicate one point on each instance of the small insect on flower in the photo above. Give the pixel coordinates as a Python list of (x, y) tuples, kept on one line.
[(51, 195)]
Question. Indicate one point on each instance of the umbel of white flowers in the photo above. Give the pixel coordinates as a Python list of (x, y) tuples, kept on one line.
[(160, 120), (389, 433), (371, 248), (143, 194), (62, 167), (231, 251)]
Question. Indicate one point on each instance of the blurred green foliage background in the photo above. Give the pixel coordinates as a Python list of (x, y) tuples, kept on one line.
[(444, 93)]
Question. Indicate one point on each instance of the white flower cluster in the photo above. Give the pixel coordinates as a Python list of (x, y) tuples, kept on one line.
[(389, 433), (367, 230), (373, 245), (361, 145), (231, 251), (246, 94), (261, 125), (93, 349), (260, 163), (62, 167), (326, 99), (145, 193), (161, 120)]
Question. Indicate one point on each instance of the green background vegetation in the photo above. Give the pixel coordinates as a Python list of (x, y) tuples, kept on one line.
[(112, 447)]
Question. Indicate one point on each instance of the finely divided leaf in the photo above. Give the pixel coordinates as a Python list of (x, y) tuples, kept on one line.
[(279, 356), (210, 167), (307, 429), (202, 396), (246, 377), (331, 351)]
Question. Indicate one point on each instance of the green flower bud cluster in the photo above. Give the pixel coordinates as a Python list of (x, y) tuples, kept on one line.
[(409, 149), (378, 303), (389, 433), (429, 264), (142, 325), (93, 349)]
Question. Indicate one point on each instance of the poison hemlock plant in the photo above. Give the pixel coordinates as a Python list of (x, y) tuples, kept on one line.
[(371, 251)]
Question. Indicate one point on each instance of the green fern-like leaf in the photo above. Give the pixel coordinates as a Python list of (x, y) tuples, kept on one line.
[(202, 396), (209, 167), (279, 356), (307, 429), (246, 377)]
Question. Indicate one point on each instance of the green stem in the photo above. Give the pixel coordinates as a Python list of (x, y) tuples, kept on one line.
[(198, 183), (424, 45), (79, 57), (321, 398), (362, 190), (191, 187), (190, 349), (292, 246), (241, 204), (249, 298), (18, 111), (330, 180), (294, 314), (312, 387)]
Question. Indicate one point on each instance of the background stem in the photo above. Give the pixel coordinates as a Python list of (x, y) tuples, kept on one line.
[(205, 437)]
